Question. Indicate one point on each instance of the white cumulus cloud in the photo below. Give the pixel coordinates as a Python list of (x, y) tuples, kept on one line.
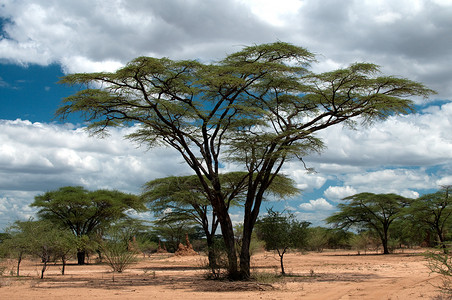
[(336, 193), (318, 204)]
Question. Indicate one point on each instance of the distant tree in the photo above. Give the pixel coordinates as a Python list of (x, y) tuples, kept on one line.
[(363, 240), (317, 238), (259, 107), (435, 211), (370, 211), (282, 232), (19, 243), (84, 212), (183, 198), (147, 241), (172, 231), (338, 238)]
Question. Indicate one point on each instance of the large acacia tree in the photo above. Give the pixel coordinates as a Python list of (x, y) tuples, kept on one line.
[(85, 213), (258, 107)]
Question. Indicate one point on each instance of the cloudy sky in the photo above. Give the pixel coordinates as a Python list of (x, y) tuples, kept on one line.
[(41, 40)]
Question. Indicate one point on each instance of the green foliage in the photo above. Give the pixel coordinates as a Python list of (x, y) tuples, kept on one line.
[(259, 106), (367, 211), (281, 232)]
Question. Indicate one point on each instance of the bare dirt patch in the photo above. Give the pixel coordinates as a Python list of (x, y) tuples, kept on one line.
[(327, 275)]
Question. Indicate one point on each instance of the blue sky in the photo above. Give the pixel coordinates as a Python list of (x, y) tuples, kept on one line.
[(44, 40), (31, 92)]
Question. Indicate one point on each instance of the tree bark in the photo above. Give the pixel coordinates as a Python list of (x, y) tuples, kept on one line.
[(81, 257), (385, 241), (44, 267), (245, 255), (229, 241), (63, 260), (212, 254), (19, 260)]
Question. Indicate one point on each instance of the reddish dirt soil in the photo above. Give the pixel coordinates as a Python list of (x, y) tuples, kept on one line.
[(327, 275)]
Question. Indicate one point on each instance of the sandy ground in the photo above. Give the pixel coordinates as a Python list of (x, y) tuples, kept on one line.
[(327, 275)]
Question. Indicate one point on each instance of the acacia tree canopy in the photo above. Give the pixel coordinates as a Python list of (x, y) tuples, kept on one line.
[(259, 107)]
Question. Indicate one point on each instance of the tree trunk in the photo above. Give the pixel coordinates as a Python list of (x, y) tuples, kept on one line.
[(442, 240), (245, 255), (384, 241), (281, 256), (229, 241), (44, 267), (19, 260), (63, 260), (211, 254), (81, 257), (227, 231), (248, 224)]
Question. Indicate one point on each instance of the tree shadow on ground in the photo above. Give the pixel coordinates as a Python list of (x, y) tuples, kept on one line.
[(193, 282)]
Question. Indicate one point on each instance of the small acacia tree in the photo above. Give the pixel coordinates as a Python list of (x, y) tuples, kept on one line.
[(258, 107), (374, 212), (84, 212), (282, 232)]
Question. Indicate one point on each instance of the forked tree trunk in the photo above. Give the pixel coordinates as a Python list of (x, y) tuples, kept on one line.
[(281, 256)]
